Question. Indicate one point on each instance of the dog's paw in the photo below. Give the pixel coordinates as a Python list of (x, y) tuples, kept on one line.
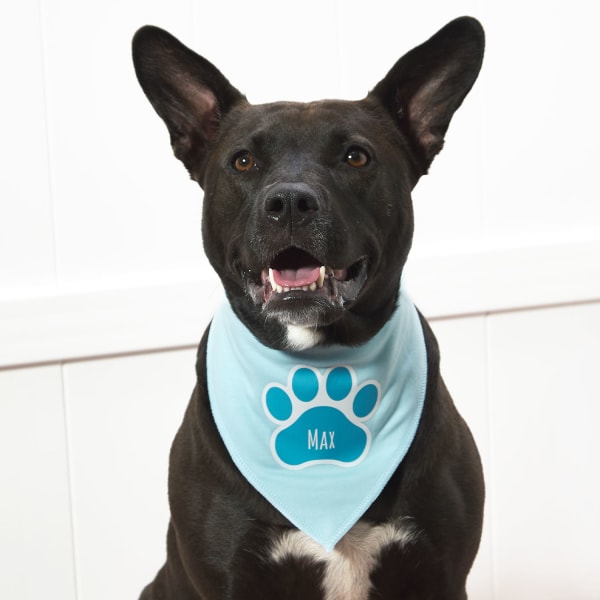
[(320, 417)]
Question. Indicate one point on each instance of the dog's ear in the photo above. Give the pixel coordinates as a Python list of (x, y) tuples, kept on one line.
[(189, 93), (426, 86)]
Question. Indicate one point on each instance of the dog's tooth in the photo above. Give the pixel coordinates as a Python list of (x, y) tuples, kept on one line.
[(276, 288), (312, 287), (321, 277), (285, 288)]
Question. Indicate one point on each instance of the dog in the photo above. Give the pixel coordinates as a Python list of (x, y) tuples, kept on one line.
[(321, 455)]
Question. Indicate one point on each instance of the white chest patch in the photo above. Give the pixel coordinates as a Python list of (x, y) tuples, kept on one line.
[(349, 564), (302, 338)]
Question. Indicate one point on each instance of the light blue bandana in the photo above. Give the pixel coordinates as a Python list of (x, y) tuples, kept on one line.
[(319, 432)]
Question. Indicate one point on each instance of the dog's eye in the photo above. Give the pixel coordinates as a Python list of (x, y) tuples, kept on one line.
[(243, 162), (357, 158)]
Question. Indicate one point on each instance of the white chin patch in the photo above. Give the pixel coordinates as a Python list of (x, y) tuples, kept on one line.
[(302, 338)]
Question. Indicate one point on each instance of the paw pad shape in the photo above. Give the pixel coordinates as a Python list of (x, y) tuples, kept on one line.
[(320, 417)]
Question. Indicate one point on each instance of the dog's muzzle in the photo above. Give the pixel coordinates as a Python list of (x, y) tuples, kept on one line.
[(296, 288)]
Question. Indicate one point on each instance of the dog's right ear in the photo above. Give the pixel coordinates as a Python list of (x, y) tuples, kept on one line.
[(189, 93), (426, 86)]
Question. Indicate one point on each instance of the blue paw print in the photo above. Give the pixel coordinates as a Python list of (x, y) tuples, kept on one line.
[(320, 417)]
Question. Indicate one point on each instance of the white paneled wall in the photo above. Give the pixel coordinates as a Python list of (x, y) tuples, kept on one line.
[(36, 535), (526, 383), (122, 414), (546, 488), (104, 289)]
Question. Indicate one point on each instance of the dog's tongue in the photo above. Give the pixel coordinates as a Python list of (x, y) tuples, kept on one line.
[(296, 277)]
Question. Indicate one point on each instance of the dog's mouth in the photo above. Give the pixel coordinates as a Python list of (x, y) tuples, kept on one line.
[(295, 278)]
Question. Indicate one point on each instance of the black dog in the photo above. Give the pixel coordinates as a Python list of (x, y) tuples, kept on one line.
[(308, 221)]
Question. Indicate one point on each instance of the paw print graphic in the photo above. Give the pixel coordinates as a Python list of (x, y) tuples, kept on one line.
[(320, 417)]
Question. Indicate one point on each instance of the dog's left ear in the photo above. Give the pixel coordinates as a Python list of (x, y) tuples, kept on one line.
[(426, 86), (189, 93)]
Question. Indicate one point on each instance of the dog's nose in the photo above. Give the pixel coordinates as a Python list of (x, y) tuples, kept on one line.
[(292, 204)]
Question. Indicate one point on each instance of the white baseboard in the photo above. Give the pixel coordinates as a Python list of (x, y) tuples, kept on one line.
[(498, 276), (73, 324)]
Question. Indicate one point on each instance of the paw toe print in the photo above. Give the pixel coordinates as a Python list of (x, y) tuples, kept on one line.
[(320, 417)]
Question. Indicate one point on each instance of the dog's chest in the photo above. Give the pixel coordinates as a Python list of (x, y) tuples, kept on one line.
[(347, 568)]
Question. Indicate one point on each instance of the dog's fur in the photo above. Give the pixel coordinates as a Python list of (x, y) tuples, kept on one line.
[(326, 183)]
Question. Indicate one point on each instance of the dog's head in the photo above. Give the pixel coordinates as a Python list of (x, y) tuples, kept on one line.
[(307, 213)]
